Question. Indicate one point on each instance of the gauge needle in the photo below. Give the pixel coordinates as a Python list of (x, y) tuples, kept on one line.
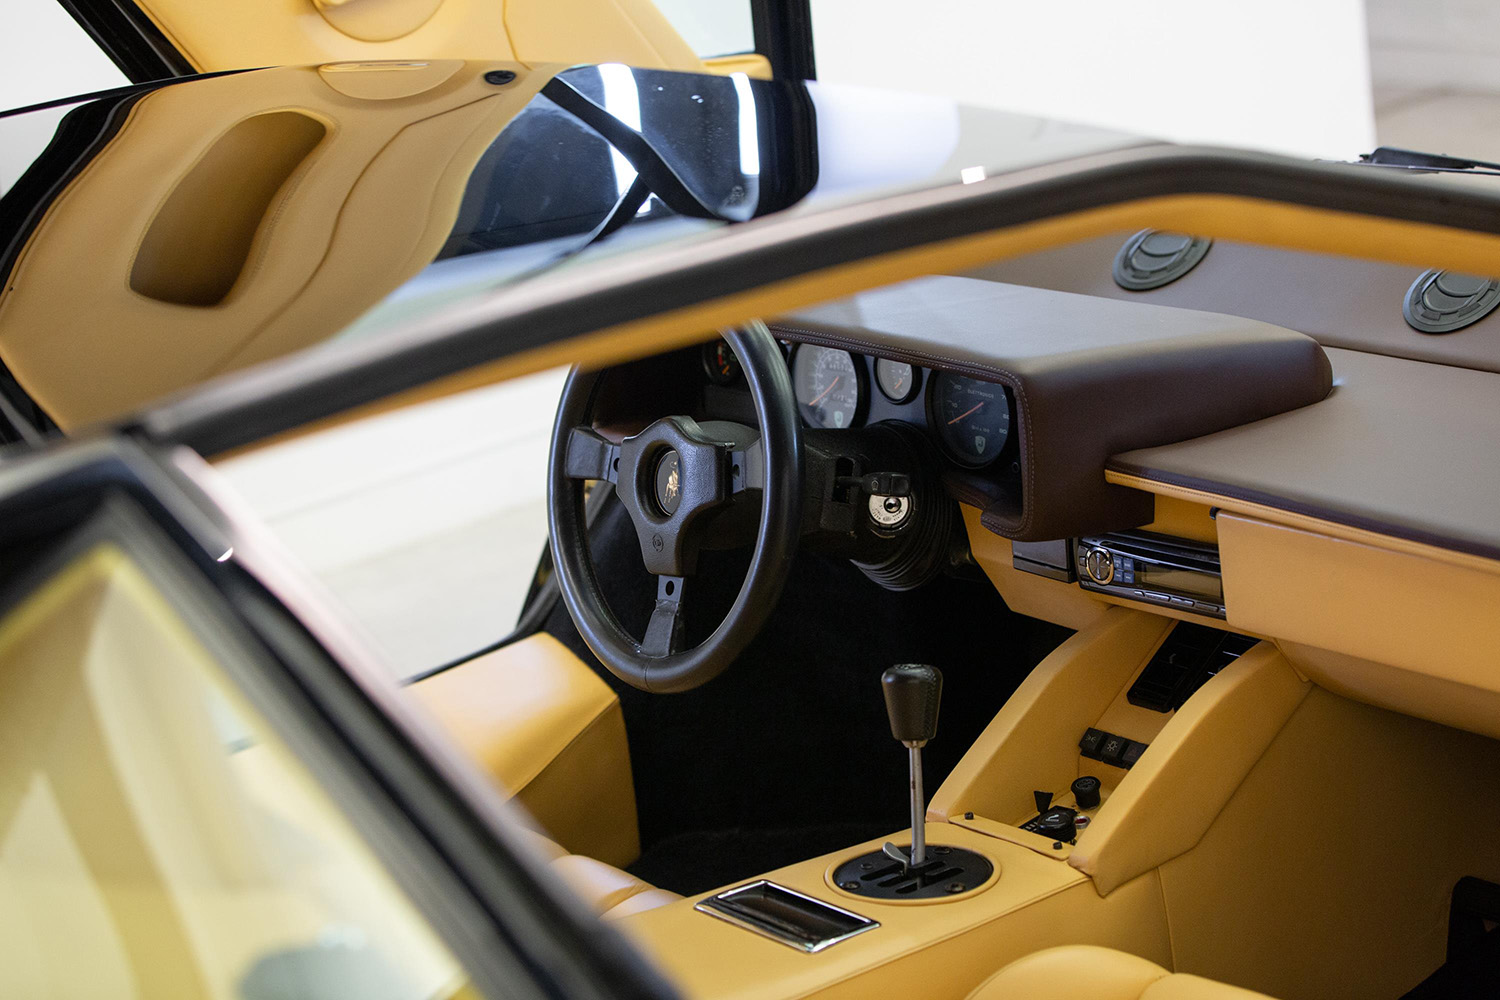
[(830, 388), (956, 419)]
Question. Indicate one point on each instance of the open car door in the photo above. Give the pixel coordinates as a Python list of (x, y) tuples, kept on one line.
[(201, 797), (152, 39)]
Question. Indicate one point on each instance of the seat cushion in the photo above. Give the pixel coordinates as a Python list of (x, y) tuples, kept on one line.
[(612, 893), (1084, 972)]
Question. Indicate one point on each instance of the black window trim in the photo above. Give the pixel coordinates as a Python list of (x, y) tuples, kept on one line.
[(783, 34), (130, 38)]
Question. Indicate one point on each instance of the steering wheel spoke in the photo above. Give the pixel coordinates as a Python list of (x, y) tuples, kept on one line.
[(747, 468), (591, 455), (664, 632), (682, 484)]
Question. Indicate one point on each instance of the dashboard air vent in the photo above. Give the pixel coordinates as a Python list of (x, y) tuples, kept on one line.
[(1152, 258), (1444, 301), (1184, 663)]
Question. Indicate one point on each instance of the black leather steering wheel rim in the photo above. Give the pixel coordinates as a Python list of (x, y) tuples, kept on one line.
[(775, 539)]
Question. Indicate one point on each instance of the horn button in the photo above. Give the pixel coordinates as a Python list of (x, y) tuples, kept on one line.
[(668, 482), (671, 473)]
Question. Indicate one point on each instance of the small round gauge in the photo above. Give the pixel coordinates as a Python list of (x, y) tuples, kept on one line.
[(896, 379), (720, 364), (972, 418), (827, 383)]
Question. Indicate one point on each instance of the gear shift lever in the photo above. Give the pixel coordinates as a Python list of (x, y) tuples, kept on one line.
[(912, 695)]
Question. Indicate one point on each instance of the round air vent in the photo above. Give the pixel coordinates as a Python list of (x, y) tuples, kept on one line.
[(1444, 301), (1152, 258)]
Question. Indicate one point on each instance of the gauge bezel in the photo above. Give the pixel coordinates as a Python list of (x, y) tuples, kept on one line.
[(934, 378), (705, 358), (861, 383), (912, 390)]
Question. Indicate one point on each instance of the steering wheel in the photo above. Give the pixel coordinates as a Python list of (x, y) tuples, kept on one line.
[(679, 481)]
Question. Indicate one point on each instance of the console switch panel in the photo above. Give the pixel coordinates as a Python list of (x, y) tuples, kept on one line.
[(1111, 749)]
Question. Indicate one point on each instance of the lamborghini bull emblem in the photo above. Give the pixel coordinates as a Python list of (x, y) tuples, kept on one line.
[(669, 483)]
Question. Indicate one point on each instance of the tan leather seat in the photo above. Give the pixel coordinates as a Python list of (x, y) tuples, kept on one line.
[(611, 891), (552, 734), (1089, 973)]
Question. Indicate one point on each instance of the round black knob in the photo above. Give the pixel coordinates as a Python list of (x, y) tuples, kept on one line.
[(1099, 564), (1086, 791), (1057, 824), (912, 694)]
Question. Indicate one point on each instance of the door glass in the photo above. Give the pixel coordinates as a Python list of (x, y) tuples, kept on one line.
[(156, 840), (712, 27)]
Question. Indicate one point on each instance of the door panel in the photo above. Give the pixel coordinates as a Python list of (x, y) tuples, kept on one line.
[(155, 838), (207, 790), (240, 34)]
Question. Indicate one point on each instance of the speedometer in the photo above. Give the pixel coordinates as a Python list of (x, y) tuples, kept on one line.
[(972, 418), (828, 386)]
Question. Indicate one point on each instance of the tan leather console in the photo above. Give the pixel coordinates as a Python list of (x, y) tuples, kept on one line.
[(1273, 836), (551, 733)]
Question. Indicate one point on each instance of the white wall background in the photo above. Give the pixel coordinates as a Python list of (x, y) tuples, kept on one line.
[(44, 55), (1285, 75)]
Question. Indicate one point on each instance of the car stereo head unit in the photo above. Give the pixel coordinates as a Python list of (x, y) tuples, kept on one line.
[(1156, 569)]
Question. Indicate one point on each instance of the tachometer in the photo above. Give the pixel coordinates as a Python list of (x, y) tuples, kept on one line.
[(827, 382), (972, 418)]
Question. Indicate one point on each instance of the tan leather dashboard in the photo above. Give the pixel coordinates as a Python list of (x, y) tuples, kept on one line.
[(1090, 377), (1400, 448)]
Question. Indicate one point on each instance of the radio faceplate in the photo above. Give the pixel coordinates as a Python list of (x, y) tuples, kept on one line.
[(1154, 569)]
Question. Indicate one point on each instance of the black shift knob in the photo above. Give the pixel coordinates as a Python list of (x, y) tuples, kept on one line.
[(912, 693)]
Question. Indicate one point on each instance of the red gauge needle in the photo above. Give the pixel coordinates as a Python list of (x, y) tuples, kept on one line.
[(835, 382), (965, 413)]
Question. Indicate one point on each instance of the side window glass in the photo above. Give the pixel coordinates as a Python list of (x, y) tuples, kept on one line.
[(156, 839), (712, 27)]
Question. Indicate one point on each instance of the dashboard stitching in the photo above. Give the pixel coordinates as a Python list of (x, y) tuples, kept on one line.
[(931, 359)]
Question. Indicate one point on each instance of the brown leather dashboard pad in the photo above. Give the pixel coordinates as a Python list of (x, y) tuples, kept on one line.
[(1091, 378)]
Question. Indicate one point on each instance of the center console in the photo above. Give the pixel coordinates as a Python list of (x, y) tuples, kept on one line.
[(1059, 805)]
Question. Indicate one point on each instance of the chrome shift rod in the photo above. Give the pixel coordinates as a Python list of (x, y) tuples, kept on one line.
[(912, 695), (918, 807)]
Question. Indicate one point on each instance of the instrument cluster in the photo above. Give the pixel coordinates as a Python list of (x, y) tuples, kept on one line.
[(969, 419)]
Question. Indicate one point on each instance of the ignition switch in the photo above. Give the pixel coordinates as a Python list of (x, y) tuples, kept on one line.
[(889, 512)]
